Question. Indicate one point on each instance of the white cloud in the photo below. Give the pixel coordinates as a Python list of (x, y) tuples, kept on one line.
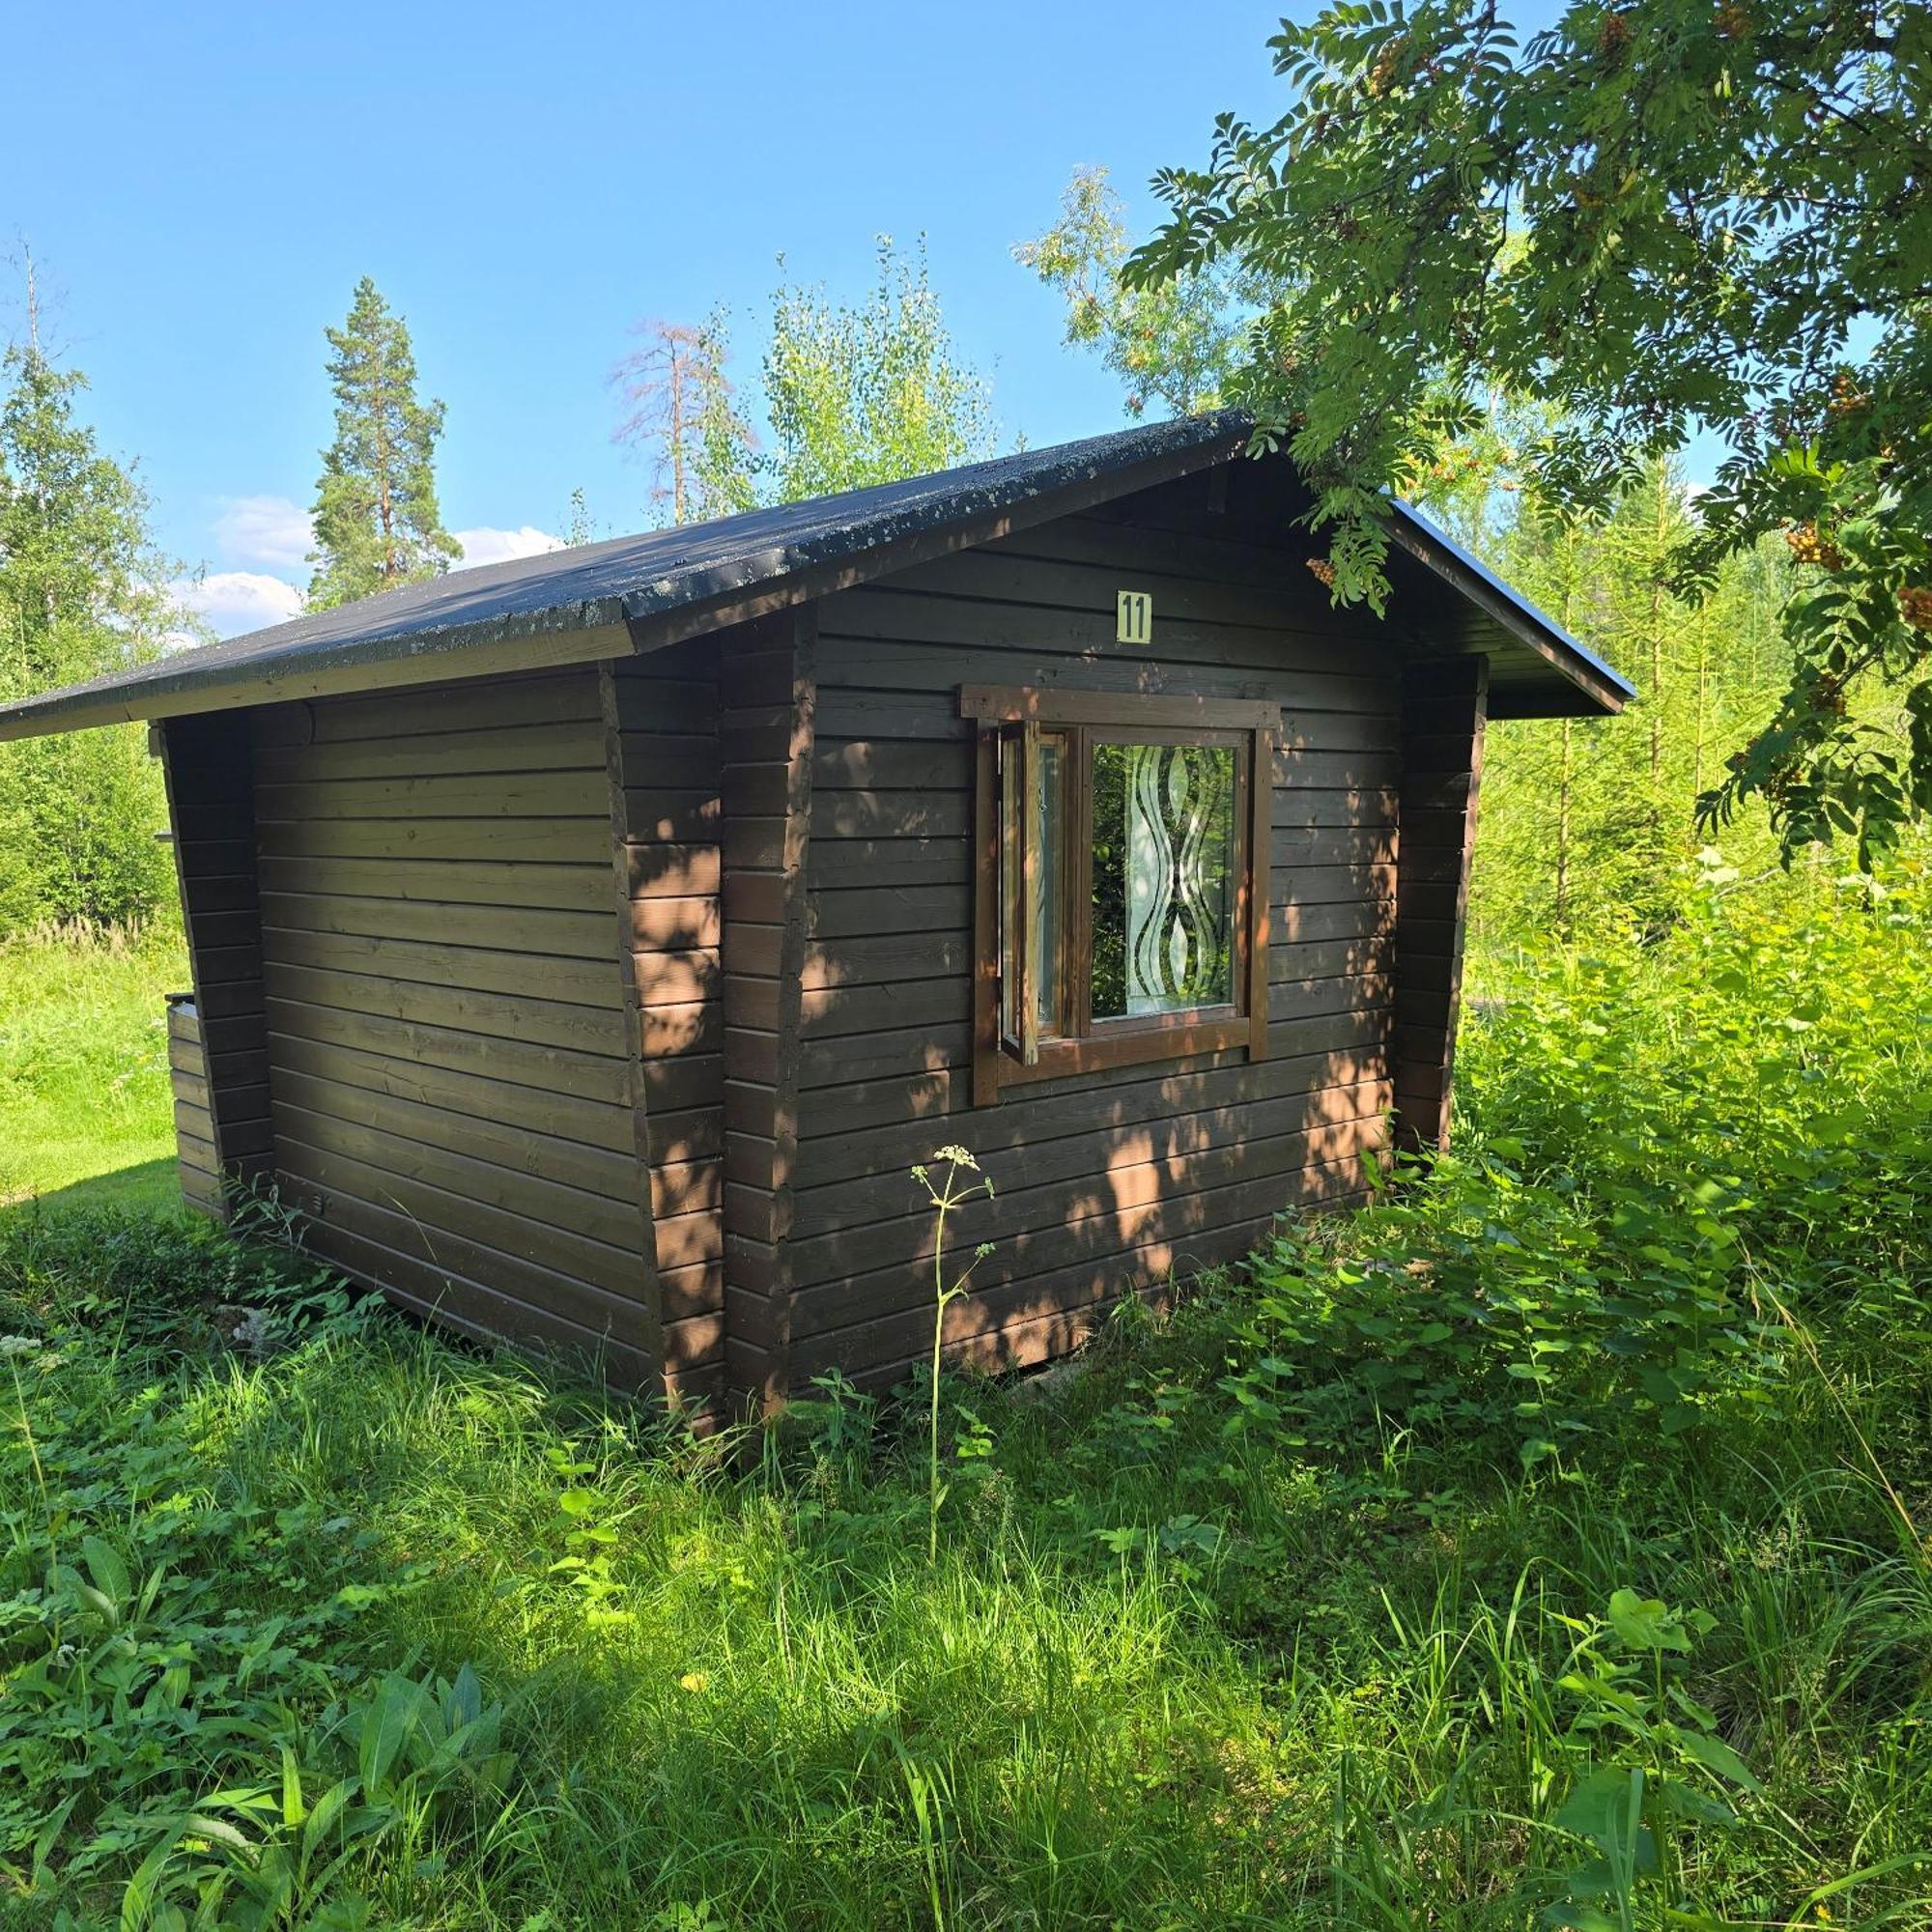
[(233, 601), (491, 546), (267, 532)]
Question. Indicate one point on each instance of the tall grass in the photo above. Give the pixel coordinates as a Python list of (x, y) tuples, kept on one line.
[(1288, 1611), (84, 1062)]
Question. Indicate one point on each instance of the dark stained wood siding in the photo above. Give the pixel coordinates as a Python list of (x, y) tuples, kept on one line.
[(198, 1169), (217, 1040), (766, 672), (1444, 712), (665, 709), (1112, 1180), (450, 1080)]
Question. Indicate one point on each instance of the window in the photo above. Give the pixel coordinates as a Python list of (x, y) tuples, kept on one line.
[(1118, 918)]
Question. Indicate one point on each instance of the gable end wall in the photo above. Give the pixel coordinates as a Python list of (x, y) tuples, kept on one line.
[(1105, 1181)]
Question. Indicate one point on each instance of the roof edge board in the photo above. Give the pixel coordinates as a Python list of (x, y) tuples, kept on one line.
[(369, 665), (1437, 550)]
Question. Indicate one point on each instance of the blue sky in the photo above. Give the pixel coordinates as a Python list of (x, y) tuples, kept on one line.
[(204, 184)]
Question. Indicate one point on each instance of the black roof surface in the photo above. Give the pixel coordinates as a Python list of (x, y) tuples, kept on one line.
[(473, 622)]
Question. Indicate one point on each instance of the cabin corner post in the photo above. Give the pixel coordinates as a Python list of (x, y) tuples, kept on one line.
[(218, 1043), (649, 1296), (767, 727), (1444, 712)]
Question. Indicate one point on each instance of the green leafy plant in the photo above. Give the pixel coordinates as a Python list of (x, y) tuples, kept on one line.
[(269, 1856), (589, 1525), (947, 1194), (1650, 1764)]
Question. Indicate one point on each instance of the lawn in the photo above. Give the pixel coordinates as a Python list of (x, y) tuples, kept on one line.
[(84, 1105), (1546, 1545)]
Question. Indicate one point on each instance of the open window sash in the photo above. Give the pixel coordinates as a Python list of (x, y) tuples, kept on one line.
[(1021, 836), (1124, 929)]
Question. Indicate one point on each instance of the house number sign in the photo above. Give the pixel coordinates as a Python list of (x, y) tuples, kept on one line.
[(1136, 625)]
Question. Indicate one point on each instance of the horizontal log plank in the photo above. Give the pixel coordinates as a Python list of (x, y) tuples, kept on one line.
[(541, 796), (573, 746), (557, 841), (563, 935), (539, 1110), (499, 1137), (572, 1220), (583, 887), (596, 1030), (484, 703), (525, 1062), (592, 982), (857, 1312), (1345, 1083), (1075, 1160)]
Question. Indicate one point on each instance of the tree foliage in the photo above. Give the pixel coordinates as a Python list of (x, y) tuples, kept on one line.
[(1651, 218), (855, 393), (82, 593), (376, 520), (866, 392), (1175, 342), (1588, 825)]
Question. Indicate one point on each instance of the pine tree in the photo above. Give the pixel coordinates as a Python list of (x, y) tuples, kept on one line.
[(82, 592), (377, 522)]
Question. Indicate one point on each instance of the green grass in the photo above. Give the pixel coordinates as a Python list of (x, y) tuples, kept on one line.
[(1546, 1545), (84, 1104)]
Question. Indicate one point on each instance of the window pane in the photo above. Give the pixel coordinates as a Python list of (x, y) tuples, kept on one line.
[(1009, 891), (1164, 852), (1035, 825), (1049, 826)]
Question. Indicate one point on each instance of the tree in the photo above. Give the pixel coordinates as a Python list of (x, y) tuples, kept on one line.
[(1587, 825), (866, 393), (683, 411), (377, 522), (82, 592), (1175, 342), (855, 394), (1653, 217)]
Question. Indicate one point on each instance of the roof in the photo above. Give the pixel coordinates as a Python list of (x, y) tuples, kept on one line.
[(633, 593)]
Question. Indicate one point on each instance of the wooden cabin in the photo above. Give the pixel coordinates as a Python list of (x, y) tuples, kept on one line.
[(588, 945)]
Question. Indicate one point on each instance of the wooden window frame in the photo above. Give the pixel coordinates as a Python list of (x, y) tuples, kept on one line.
[(1088, 1047)]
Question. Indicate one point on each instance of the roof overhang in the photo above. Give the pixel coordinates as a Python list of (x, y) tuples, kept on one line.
[(635, 594), (1525, 647)]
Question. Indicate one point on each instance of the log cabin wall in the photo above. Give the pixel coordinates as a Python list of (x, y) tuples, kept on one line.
[(1106, 1181), (1444, 709), (665, 711), (767, 723), (216, 1039), (450, 1075)]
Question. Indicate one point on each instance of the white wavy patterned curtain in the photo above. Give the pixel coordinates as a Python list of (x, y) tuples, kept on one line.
[(1178, 823)]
